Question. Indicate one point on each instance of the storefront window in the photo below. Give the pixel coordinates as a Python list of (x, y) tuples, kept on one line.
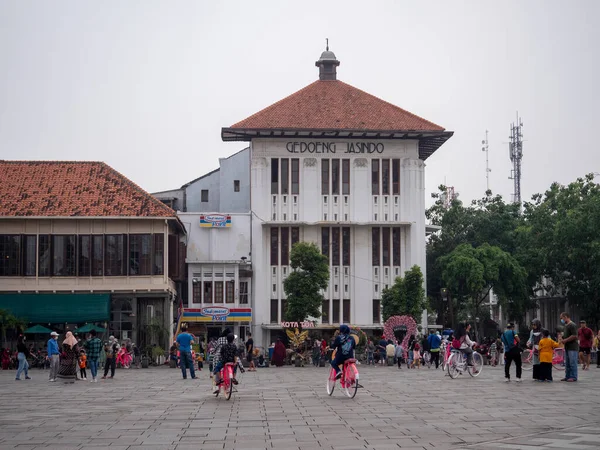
[(63, 256), (29, 255), (230, 292), (243, 292), (9, 255)]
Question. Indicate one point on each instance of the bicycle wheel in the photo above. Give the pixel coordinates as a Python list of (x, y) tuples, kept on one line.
[(331, 381), (558, 360), (228, 383), (350, 386), (477, 366), (527, 360), (452, 366)]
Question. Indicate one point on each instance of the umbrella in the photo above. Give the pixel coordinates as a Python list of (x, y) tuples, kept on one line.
[(37, 329), (89, 327)]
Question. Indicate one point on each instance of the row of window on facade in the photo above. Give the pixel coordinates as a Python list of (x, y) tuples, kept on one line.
[(204, 192), (218, 292), (335, 176), (335, 243), (81, 255), (327, 316)]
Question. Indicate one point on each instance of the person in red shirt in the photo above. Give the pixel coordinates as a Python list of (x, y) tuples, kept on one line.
[(586, 340)]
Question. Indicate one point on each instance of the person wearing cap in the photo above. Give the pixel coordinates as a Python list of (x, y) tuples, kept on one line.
[(586, 340), (53, 355)]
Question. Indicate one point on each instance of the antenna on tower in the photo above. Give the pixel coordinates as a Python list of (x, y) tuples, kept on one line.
[(515, 152), (486, 149)]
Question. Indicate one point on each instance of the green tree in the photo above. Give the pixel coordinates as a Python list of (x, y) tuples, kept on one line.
[(303, 286), (9, 321), (406, 297)]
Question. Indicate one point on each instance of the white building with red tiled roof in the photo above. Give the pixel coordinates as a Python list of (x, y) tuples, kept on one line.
[(80, 243)]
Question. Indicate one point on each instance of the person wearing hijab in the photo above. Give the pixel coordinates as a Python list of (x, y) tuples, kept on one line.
[(535, 336), (343, 346), (279, 353), (69, 359)]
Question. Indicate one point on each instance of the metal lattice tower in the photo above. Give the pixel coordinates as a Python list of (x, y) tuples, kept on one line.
[(486, 149), (515, 151)]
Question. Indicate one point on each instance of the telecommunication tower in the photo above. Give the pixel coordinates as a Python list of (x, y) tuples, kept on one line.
[(486, 149), (515, 151), (449, 196)]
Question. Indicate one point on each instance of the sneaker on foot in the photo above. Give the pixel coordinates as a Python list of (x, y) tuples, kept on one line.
[(104, 377), (338, 375), (571, 380), (234, 381), (518, 380), (507, 380), (28, 378), (95, 380), (563, 379)]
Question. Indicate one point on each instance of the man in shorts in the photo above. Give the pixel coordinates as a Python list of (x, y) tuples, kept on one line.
[(586, 340)]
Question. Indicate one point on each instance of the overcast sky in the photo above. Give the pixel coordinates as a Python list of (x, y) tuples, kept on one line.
[(147, 85)]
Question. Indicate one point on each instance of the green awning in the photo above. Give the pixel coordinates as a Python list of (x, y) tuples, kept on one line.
[(37, 329), (58, 308), (89, 327)]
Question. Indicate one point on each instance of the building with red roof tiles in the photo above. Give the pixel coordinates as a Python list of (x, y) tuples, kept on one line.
[(80, 243)]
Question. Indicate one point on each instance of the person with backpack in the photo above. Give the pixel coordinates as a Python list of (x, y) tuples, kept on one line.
[(343, 346), (434, 342), (111, 348), (511, 340)]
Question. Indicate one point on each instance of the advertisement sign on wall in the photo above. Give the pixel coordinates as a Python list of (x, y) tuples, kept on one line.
[(217, 314), (215, 221)]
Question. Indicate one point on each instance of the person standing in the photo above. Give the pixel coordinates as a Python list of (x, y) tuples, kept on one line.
[(569, 339), (382, 352), (82, 364), (546, 353), (399, 354), (586, 340), (136, 356), (69, 358), (434, 341), (184, 342), (22, 354), (250, 353), (511, 340), (93, 346), (111, 348), (535, 336), (53, 355)]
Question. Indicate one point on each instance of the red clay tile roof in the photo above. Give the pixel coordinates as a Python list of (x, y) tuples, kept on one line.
[(67, 189), (335, 105)]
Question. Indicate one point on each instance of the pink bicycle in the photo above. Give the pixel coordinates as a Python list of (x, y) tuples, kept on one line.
[(558, 359), (348, 381), (227, 377)]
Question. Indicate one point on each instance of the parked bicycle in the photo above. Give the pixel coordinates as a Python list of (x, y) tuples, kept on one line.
[(558, 359), (349, 380), (457, 364)]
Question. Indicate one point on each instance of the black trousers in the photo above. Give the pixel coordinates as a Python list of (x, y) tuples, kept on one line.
[(112, 363), (545, 372), (82, 372), (513, 355), (435, 357), (399, 360)]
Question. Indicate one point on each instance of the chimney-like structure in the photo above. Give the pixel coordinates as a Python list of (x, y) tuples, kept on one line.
[(327, 65)]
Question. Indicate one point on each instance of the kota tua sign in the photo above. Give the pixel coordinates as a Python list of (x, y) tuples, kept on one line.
[(348, 148)]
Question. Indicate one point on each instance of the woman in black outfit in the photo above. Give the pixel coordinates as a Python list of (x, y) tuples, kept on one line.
[(23, 353)]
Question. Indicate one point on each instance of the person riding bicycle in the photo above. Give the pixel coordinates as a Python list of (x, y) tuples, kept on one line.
[(463, 343), (227, 355), (344, 346), (216, 351)]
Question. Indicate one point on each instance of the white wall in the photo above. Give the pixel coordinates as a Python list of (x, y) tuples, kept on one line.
[(236, 167), (193, 193)]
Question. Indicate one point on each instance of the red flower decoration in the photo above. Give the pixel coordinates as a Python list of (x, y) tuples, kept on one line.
[(396, 321)]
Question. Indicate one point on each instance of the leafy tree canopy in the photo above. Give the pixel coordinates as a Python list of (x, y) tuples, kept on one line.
[(406, 297)]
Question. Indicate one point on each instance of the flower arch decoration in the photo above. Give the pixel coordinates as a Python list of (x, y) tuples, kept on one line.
[(397, 321)]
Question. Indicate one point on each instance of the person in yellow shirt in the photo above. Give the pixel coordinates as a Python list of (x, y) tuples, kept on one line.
[(546, 346)]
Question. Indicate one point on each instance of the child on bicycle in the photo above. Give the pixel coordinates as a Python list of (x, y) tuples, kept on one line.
[(344, 346), (228, 354), (546, 353)]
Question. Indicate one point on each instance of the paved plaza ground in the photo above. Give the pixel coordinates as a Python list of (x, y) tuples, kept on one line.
[(288, 408)]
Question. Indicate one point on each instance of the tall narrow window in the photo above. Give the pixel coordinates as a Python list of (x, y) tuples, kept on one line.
[(197, 292), (395, 176), (325, 242), (376, 311), (140, 254), (283, 309), (285, 246), (236, 185), (346, 246), (29, 255), (97, 255), (243, 292), (345, 176), (385, 234), (375, 177), (396, 245), (10, 246), (274, 310), (285, 176), (85, 256), (159, 254), (335, 315), (385, 177), (274, 176), (325, 311), (204, 195), (346, 311), (335, 246), (375, 245), (325, 177), (44, 256), (63, 256), (335, 177), (230, 292), (295, 235), (113, 255), (218, 292), (207, 296), (274, 245), (295, 176)]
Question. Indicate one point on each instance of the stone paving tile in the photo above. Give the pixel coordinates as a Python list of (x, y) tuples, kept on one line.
[(288, 408)]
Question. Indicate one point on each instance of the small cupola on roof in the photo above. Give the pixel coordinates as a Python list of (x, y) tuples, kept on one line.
[(327, 64)]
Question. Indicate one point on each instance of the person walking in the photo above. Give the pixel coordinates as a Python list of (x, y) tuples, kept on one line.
[(250, 353), (184, 343), (82, 364), (586, 340), (136, 356), (597, 345), (69, 358), (22, 354), (93, 347), (399, 354), (53, 355), (111, 348), (569, 339), (511, 340), (434, 341), (370, 353)]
